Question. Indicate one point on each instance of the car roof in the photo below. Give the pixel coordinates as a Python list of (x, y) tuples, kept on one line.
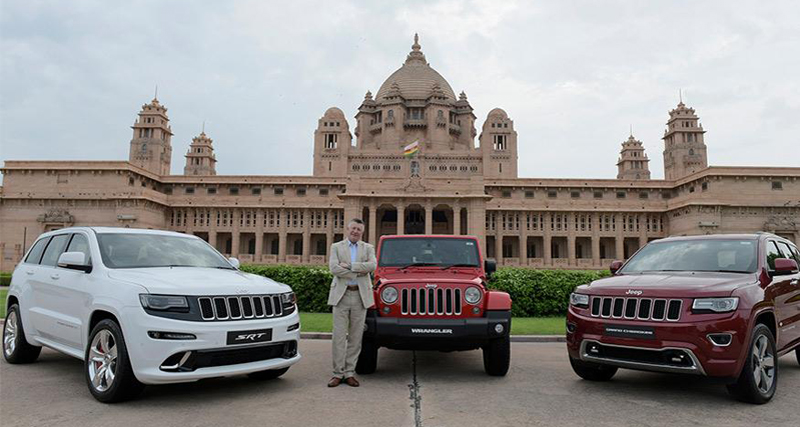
[(740, 236), (116, 230)]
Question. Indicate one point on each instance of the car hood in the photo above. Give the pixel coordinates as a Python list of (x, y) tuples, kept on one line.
[(671, 285), (198, 281), (429, 276)]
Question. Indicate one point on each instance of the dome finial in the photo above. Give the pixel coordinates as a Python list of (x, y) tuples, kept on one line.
[(416, 45)]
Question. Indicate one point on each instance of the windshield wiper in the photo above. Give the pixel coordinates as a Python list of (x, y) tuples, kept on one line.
[(728, 271), (418, 264), (459, 265), (224, 268)]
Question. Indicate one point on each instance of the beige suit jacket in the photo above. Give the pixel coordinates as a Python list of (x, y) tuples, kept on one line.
[(358, 271)]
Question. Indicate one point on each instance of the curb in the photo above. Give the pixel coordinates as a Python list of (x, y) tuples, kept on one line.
[(514, 338)]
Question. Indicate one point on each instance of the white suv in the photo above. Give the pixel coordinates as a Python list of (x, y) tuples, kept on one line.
[(147, 307)]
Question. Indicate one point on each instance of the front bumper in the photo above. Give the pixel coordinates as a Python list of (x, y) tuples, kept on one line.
[(403, 333), (678, 347), (210, 355)]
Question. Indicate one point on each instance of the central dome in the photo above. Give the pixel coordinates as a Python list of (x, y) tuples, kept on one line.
[(416, 79)]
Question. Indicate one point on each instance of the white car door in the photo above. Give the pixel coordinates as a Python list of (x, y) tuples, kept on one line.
[(44, 310), (71, 296), (29, 276)]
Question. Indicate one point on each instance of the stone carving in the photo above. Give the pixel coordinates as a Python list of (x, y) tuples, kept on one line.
[(414, 185), (56, 215), (780, 223)]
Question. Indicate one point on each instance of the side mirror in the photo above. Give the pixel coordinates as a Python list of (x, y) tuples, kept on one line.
[(615, 266), (785, 266), (74, 261), (234, 262), (490, 266)]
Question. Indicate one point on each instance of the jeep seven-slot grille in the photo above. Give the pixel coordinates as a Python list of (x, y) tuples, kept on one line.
[(433, 301), (240, 307), (637, 308)]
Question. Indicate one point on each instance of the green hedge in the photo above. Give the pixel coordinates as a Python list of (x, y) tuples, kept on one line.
[(535, 293), (5, 279)]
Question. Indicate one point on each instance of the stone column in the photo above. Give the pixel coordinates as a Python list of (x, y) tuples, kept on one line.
[(547, 239), (456, 218), (373, 224), (282, 235), (259, 236), (596, 239), (428, 217), (476, 221), (237, 217), (306, 236), (523, 238), (189, 220), (571, 239), (329, 233), (498, 238), (642, 230), (401, 217), (620, 237)]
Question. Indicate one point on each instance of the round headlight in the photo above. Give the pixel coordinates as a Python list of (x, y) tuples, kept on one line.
[(472, 295), (389, 295)]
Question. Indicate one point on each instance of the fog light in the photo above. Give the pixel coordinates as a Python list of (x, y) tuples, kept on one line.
[(476, 310), (571, 327), (386, 309), (499, 328), (158, 335), (594, 349), (294, 327), (720, 340)]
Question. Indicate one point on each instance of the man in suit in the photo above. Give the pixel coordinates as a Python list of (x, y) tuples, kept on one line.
[(351, 262)]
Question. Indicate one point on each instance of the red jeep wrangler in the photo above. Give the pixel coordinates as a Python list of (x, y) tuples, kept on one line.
[(720, 306), (431, 294)]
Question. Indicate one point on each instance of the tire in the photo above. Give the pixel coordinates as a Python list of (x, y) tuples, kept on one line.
[(761, 354), (105, 353), (269, 374), (592, 371), (368, 359), (497, 356), (16, 349)]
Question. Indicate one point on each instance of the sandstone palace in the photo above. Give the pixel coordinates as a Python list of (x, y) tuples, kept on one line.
[(463, 180)]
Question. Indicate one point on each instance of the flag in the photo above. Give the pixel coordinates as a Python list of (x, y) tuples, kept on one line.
[(411, 149)]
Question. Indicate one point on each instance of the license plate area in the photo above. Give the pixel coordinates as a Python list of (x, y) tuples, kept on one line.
[(249, 336), (630, 331)]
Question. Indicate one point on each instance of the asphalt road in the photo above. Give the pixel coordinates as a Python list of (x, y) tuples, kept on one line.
[(423, 388)]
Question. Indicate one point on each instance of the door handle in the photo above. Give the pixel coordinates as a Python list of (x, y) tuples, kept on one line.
[(54, 276), (29, 272)]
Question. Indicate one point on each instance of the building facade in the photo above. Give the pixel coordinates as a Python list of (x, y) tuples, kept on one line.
[(462, 181)]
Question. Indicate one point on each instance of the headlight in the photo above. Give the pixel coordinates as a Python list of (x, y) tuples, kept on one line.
[(579, 300), (472, 295), (715, 305), (389, 295), (164, 302), (288, 299)]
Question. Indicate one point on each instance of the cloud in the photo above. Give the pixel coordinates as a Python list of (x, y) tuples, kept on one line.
[(574, 76)]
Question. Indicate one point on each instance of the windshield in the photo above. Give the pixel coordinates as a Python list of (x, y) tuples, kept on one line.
[(442, 252), (129, 250), (735, 256)]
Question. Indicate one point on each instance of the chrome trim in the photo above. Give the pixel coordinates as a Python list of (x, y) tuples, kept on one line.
[(714, 343), (637, 305), (273, 301), (432, 299), (696, 367)]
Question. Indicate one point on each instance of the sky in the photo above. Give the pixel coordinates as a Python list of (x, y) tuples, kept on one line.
[(575, 76)]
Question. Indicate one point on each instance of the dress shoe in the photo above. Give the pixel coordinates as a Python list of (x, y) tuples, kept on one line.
[(351, 381), (335, 381)]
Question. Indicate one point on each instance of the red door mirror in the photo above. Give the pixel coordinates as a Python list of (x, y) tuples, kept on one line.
[(785, 266), (616, 265)]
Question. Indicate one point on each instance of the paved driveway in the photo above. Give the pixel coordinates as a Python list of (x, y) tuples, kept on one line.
[(440, 389)]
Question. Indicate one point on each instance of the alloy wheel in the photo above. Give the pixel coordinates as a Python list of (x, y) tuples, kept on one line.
[(10, 334), (763, 364), (103, 360)]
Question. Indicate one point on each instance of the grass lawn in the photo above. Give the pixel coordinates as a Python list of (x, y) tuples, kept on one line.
[(322, 322), (3, 293)]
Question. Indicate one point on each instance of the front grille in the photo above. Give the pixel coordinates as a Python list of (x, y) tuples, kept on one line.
[(433, 301), (637, 308), (241, 307)]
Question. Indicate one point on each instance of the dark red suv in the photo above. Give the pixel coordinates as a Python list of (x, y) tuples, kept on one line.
[(720, 306)]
